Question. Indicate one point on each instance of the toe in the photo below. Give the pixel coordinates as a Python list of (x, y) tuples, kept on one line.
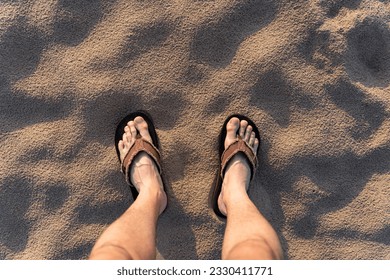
[(256, 145), (252, 139), (121, 146), (128, 135), (243, 125), (248, 133), (133, 131), (142, 126), (231, 131), (125, 141)]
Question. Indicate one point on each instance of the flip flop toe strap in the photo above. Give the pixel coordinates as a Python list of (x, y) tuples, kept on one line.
[(140, 145), (239, 146)]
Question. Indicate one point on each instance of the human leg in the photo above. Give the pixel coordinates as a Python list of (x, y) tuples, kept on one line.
[(248, 234), (133, 235)]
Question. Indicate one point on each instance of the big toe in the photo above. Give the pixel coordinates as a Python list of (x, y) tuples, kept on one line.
[(232, 127), (142, 127)]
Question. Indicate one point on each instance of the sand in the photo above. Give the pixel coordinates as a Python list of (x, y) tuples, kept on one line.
[(314, 75)]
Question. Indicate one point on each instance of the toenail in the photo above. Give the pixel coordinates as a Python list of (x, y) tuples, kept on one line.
[(138, 119)]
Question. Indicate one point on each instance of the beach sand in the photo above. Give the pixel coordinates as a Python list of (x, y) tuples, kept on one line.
[(314, 76)]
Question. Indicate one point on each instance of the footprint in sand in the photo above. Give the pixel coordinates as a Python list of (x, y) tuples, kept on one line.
[(75, 19), (55, 196), (333, 7), (355, 36), (15, 200), (216, 43), (143, 39), (33, 109), (368, 55), (21, 47), (367, 113)]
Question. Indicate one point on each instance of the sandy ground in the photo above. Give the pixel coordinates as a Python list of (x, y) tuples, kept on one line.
[(314, 75)]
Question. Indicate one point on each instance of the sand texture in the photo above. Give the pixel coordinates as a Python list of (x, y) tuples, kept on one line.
[(314, 75)]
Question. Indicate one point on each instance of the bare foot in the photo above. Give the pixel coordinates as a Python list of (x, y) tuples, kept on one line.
[(238, 171), (144, 173)]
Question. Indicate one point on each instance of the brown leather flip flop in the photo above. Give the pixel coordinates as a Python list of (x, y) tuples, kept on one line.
[(140, 145), (239, 146)]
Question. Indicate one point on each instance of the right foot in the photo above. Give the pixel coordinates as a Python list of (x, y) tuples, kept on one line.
[(237, 172), (144, 173)]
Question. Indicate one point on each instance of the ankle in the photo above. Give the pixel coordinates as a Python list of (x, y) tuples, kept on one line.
[(154, 196), (233, 193)]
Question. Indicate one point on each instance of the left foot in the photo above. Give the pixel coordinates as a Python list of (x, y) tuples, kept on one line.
[(144, 173)]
